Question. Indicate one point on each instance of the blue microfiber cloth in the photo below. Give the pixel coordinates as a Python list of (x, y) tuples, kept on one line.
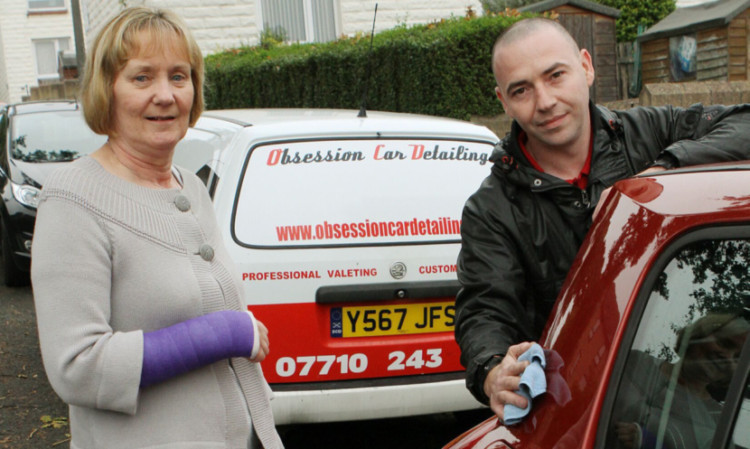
[(533, 383)]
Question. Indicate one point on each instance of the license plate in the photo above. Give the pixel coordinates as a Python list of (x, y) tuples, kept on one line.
[(398, 319)]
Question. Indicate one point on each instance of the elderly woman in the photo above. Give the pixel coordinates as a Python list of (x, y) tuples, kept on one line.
[(140, 314)]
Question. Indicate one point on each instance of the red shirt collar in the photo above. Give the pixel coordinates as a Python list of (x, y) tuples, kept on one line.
[(580, 181)]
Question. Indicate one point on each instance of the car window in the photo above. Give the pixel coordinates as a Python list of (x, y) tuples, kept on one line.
[(57, 136), (198, 149), (357, 192), (685, 350)]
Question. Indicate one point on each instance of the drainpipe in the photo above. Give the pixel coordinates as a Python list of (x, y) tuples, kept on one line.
[(78, 36)]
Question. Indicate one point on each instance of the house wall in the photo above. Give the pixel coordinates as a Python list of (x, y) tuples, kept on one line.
[(738, 47), (722, 54), (655, 61), (712, 56), (222, 24), (19, 29), (216, 24), (357, 15), (4, 93)]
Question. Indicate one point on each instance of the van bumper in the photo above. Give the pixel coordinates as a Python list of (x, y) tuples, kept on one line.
[(310, 406)]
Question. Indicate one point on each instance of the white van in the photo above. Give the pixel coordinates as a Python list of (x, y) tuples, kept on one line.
[(346, 231)]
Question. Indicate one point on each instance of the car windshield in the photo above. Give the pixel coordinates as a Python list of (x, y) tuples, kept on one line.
[(56, 136)]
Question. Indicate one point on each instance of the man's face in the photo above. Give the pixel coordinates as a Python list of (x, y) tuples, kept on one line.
[(543, 83)]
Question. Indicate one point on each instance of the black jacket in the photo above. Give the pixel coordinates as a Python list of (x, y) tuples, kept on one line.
[(522, 229)]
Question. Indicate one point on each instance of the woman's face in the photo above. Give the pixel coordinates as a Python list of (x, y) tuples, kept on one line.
[(713, 358), (152, 98)]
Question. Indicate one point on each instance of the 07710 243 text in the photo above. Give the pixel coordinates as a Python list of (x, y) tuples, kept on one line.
[(333, 365)]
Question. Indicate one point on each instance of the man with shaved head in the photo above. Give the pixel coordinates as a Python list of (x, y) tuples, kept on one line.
[(522, 229)]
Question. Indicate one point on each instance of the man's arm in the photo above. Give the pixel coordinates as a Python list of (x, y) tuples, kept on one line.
[(679, 137), (490, 314)]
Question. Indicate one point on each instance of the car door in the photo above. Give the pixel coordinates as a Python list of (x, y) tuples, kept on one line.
[(680, 378)]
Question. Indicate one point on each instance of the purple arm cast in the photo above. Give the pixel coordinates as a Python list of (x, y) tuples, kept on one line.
[(197, 342)]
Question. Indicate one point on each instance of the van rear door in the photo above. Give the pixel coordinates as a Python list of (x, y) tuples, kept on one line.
[(348, 250)]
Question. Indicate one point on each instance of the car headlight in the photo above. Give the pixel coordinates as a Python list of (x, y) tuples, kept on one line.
[(26, 194)]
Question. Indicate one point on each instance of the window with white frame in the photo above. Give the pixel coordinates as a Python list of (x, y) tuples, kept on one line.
[(300, 20), (46, 5), (46, 51)]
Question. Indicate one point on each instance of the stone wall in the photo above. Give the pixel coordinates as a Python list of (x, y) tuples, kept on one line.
[(676, 94), (706, 92)]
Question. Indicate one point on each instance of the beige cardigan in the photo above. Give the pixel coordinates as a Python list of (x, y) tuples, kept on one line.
[(112, 260)]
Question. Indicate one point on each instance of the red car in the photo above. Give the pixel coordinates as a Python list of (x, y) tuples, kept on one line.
[(646, 344)]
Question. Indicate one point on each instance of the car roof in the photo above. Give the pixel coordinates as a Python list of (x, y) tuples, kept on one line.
[(43, 106), (265, 116), (694, 190), (304, 121)]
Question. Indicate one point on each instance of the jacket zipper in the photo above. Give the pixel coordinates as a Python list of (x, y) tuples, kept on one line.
[(585, 198)]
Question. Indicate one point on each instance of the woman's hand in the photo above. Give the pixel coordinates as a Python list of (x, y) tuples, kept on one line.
[(629, 434), (264, 344)]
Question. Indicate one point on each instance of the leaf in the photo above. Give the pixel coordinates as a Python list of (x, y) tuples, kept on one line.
[(56, 423)]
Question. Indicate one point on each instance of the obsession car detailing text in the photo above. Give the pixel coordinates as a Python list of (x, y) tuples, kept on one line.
[(382, 152)]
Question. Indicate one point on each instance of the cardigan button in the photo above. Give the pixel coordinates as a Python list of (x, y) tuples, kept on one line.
[(182, 203), (206, 252)]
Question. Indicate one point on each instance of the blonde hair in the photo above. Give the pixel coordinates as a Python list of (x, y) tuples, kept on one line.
[(116, 43)]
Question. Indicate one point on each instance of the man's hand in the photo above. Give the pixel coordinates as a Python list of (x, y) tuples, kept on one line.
[(264, 343), (503, 380)]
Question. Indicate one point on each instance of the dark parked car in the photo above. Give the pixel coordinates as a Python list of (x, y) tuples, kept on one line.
[(35, 137), (647, 345)]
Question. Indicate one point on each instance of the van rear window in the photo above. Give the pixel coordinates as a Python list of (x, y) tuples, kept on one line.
[(357, 192)]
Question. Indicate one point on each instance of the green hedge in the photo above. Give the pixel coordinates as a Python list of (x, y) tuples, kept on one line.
[(439, 69), (638, 12)]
